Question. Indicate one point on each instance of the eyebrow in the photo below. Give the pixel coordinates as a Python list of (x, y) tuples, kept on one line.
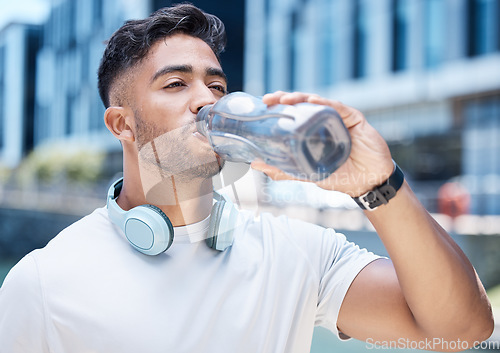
[(211, 71)]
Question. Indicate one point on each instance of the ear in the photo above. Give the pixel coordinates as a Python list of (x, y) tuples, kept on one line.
[(117, 121)]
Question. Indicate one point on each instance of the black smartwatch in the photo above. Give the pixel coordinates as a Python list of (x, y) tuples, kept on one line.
[(381, 194)]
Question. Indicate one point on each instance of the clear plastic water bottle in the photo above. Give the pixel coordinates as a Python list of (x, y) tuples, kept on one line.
[(308, 141)]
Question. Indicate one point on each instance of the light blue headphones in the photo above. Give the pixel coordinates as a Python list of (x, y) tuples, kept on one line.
[(150, 231)]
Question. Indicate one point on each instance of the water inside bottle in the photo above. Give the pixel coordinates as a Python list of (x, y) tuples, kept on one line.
[(306, 140)]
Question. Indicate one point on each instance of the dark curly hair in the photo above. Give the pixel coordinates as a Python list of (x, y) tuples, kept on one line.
[(131, 43)]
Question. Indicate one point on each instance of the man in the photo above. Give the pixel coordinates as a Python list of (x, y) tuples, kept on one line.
[(88, 290)]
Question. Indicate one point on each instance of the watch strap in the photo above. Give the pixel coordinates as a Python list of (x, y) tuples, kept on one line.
[(381, 194)]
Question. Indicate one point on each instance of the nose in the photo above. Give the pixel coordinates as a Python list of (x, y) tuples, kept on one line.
[(201, 97)]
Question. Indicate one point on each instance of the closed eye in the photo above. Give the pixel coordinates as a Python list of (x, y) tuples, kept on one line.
[(220, 88), (174, 84)]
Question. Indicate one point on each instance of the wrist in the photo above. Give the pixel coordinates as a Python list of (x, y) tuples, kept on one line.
[(381, 194)]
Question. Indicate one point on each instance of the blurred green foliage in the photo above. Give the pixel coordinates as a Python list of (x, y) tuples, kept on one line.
[(5, 173), (494, 296), (61, 162)]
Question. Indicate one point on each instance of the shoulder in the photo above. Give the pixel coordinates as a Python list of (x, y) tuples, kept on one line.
[(90, 240), (98, 219), (23, 277), (93, 227), (22, 310)]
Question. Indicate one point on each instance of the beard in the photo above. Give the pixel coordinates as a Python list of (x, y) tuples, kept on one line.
[(174, 153)]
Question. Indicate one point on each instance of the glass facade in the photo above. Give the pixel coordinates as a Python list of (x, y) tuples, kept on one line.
[(327, 56), (405, 64), (434, 32), (400, 13), (292, 51), (2, 96), (67, 101), (359, 47), (19, 44), (483, 30), (59, 98), (32, 44), (481, 158)]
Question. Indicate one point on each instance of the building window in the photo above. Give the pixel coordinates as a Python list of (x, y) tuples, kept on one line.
[(2, 95), (483, 27), (360, 40), (69, 115), (481, 157), (292, 47), (268, 79), (32, 47), (96, 122), (97, 11), (399, 34), (434, 32), (327, 58), (268, 47)]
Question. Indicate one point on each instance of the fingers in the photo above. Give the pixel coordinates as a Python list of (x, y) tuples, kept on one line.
[(273, 98), (280, 97), (349, 115)]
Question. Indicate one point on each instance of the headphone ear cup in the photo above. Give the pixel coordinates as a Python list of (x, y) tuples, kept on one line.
[(222, 224), (148, 229)]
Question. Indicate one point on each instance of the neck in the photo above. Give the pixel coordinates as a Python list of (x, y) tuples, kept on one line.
[(183, 201)]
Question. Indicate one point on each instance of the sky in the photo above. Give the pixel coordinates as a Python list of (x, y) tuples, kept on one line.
[(30, 11)]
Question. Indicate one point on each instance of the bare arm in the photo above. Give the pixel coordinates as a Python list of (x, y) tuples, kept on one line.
[(429, 290)]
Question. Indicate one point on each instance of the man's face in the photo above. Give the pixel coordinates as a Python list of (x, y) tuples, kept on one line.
[(180, 75)]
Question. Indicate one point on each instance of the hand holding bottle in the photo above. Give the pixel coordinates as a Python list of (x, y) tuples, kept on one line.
[(308, 141), (369, 163)]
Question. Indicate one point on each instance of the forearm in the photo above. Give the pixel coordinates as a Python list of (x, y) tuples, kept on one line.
[(434, 279), (438, 282)]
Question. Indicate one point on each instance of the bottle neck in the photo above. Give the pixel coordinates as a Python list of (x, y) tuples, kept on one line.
[(202, 119)]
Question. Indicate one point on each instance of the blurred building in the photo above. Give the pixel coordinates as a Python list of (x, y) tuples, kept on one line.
[(426, 73), (64, 104), (19, 44), (68, 107)]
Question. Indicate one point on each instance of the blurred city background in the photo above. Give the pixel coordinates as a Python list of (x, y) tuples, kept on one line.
[(426, 74)]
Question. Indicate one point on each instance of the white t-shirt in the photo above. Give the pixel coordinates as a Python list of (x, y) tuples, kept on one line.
[(88, 290)]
